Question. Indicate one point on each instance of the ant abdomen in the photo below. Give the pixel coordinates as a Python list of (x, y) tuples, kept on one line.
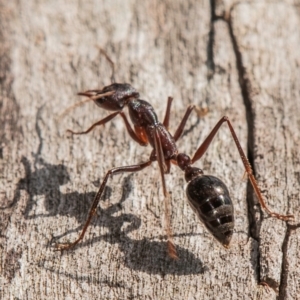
[(209, 198)]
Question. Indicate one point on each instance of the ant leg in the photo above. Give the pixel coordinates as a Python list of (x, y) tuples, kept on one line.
[(181, 126), (163, 166), (167, 115), (200, 112), (107, 119), (203, 148), (101, 122), (93, 209)]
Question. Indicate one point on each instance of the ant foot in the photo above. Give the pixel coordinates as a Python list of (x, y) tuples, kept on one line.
[(71, 132), (172, 250), (63, 246), (201, 111), (266, 286), (282, 217)]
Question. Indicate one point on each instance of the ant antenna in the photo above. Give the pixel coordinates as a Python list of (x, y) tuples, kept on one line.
[(92, 96), (88, 93), (70, 108), (112, 65)]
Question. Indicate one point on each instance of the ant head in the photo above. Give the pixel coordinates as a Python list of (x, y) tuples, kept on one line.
[(115, 96)]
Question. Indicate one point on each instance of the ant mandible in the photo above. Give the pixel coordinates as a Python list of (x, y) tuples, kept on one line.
[(207, 195)]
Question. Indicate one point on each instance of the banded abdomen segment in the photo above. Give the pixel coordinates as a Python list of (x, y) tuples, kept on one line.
[(209, 198)]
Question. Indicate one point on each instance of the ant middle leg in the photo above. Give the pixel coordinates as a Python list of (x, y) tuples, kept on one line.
[(93, 209), (182, 124), (203, 148), (167, 114), (179, 130)]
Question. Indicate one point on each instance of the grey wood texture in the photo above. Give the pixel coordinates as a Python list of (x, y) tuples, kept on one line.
[(239, 59)]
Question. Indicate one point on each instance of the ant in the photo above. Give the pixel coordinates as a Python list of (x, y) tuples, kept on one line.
[(207, 194)]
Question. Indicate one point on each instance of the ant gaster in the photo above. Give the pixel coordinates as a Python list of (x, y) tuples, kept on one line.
[(207, 195)]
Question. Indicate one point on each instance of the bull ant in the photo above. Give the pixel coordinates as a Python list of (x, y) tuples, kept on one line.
[(207, 195)]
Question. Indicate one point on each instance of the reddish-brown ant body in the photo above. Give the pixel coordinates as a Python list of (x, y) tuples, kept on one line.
[(207, 195)]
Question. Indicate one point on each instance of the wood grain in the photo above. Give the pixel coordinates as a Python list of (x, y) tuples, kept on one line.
[(238, 59)]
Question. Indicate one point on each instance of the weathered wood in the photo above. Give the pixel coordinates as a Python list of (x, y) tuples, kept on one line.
[(239, 59), (267, 43)]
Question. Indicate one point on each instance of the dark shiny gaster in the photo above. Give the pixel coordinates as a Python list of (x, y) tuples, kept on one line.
[(209, 198)]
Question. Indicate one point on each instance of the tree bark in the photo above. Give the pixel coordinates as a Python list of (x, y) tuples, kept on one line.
[(238, 59)]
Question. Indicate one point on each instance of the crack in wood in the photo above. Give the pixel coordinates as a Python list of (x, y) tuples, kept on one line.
[(254, 225), (246, 91), (245, 86), (285, 264), (211, 38)]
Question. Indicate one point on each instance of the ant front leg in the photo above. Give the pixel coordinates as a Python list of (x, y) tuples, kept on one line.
[(93, 209), (203, 148), (107, 119), (101, 122)]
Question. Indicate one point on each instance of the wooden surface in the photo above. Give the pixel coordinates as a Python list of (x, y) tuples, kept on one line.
[(237, 59)]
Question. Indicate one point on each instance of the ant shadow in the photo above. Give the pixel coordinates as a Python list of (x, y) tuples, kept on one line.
[(142, 255), (42, 182)]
